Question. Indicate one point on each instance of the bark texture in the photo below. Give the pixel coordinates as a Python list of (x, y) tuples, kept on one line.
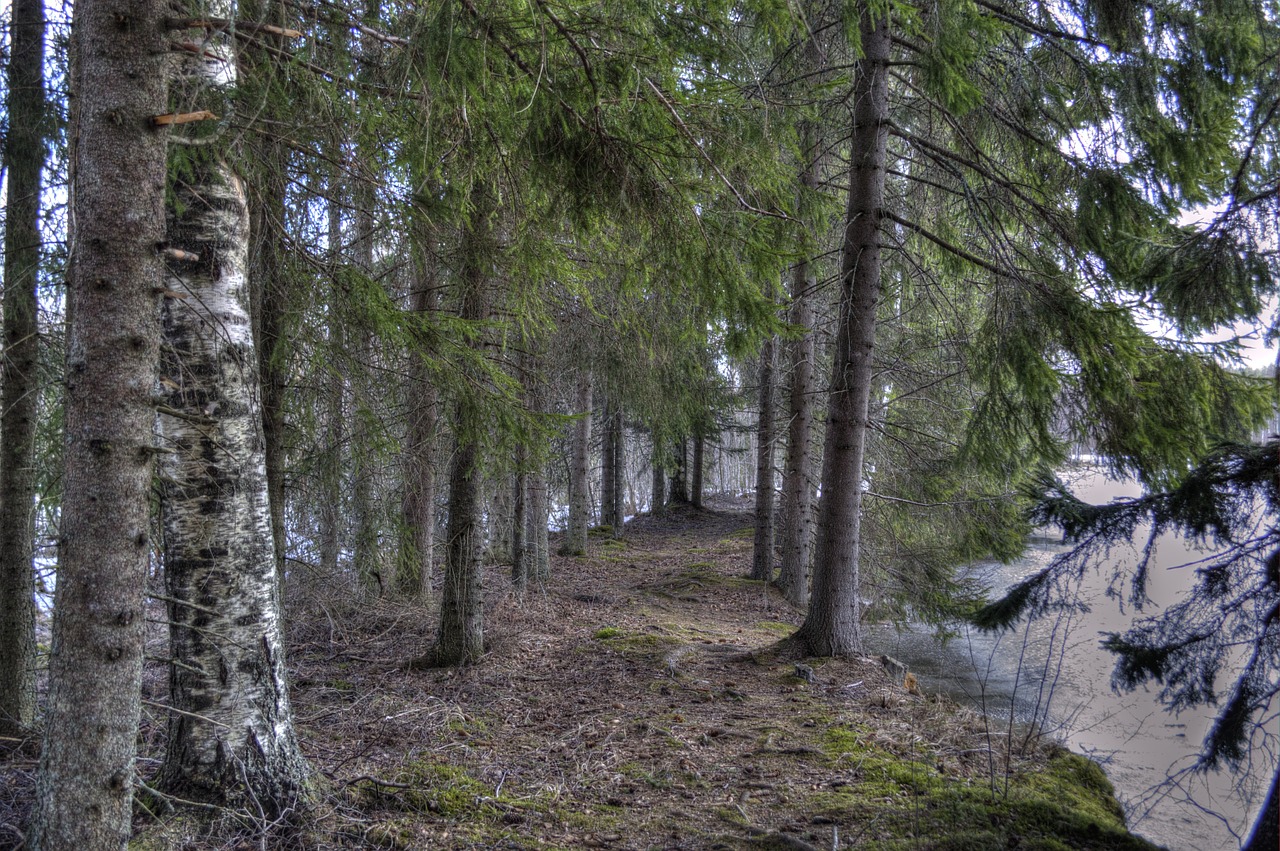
[(680, 475), (658, 501), (762, 551), (460, 639), (24, 154), (699, 461), (85, 781), (797, 490), (575, 538), (231, 730), (417, 508), (833, 624), (613, 469)]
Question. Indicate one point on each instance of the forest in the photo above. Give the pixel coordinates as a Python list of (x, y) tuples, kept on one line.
[(385, 382)]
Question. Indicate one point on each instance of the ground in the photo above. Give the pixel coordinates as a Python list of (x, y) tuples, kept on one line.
[(644, 699)]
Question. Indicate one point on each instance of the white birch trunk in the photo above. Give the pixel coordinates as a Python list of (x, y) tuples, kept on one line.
[(231, 731)]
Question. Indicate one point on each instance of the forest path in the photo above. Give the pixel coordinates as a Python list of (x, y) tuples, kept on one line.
[(640, 700)]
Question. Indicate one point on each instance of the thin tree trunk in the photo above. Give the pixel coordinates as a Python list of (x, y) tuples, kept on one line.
[(619, 519), (24, 161), (330, 509), (520, 544), (84, 787), (366, 550), (699, 448), (762, 553), (575, 539), (658, 504), (833, 625), (539, 554), (797, 492), (608, 464), (267, 283), (680, 476), (417, 510), (231, 736)]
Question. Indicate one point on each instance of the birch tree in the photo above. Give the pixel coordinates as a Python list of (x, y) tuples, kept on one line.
[(231, 735)]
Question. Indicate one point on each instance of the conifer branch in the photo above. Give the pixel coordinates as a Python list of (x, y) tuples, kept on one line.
[(219, 24), (944, 244), (1037, 29), (707, 157)]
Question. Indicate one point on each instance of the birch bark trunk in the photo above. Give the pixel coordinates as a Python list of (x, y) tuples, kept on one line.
[(84, 786), (833, 625), (24, 155), (230, 732)]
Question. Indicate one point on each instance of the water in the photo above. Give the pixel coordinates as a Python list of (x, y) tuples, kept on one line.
[(1055, 673)]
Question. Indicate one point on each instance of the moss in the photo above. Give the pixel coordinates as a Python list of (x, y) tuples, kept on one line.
[(637, 644), (432, 787), (1064, 803), (602, 531), (776, 627)]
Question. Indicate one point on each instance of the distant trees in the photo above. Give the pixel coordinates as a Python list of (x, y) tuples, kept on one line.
[(419, 255)]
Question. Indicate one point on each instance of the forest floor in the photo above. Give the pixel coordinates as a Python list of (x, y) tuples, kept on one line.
[(643, 699)]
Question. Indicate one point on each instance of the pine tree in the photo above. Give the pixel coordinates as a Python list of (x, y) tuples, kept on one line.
[(24, 155), (85, 782)]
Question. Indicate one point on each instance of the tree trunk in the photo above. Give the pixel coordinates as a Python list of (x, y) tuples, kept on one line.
[(267, 283), (520, 544), (538, 567), (231, 734), (680, 476), (575, 539), (331, 515), (658, 503), (24, 154), (417, 508), (833, 625), (699, 449), (762, 552), (797, 492), (460, 639), (608, 465), (365, 547), (84, 787), (613, 470)]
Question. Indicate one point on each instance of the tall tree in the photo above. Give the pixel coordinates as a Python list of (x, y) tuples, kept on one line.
[(85, 782), (833, 625), (24, 154), (231, 735), (460, 637)]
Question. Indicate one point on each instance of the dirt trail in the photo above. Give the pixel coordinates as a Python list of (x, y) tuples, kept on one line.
[(639, 701)]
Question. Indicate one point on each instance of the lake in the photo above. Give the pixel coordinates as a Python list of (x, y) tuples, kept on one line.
[(1056, 673)]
